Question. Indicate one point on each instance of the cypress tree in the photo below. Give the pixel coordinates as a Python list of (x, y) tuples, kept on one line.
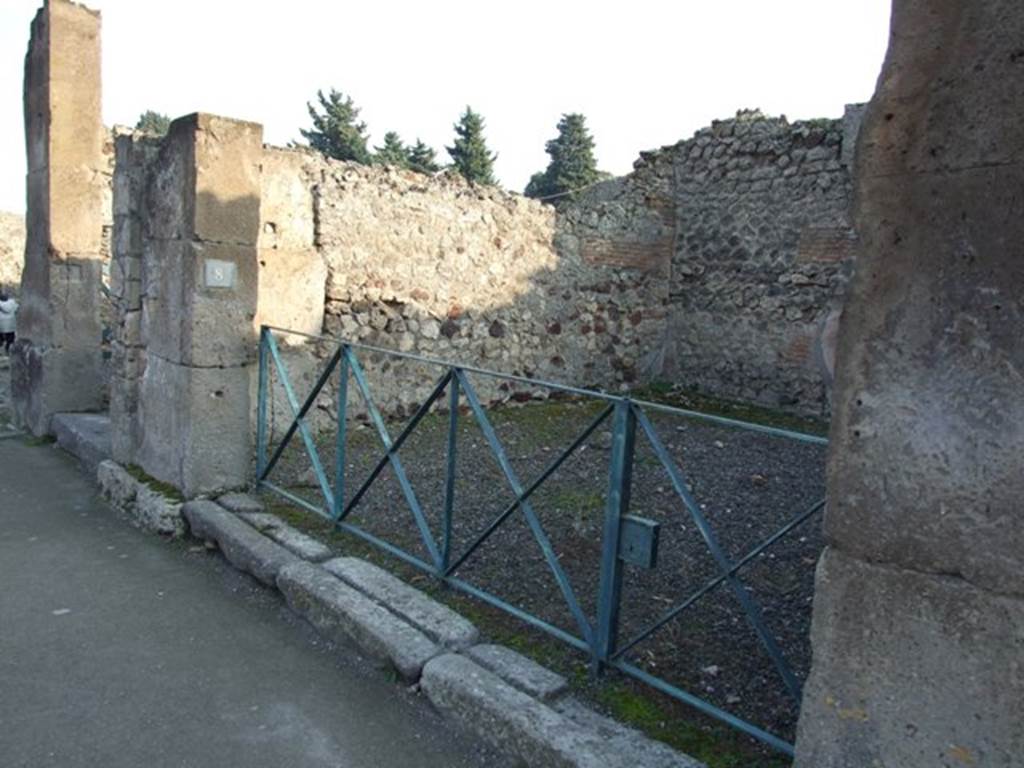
[(572, 164), (337, 132), (422, 158), (470, 155), (394, 152)]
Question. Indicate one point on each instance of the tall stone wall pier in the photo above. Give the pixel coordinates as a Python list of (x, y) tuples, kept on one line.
[(57, 362), (918, 629), (186, 414)]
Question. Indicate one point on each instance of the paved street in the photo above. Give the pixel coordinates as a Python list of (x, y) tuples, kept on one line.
[(118, 648)]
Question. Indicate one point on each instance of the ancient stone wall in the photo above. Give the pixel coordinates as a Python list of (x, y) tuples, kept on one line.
[(763, 251), (716, 264), (438, 267), (12, 250)]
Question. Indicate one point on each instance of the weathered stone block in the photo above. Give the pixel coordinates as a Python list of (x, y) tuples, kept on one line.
[(47, 381), (116, 485), (293, 290), (187, 322), (227, 160), (437, 621), (74, 83), (202, 444), (345, 614), (76, 210), (519, 671), (942, 71), (242, 545), (286, 202), (291, 539), (240, 503), (629, 746), (911, 669), (156, 512), (925, 469), (85, 436), (530, 730)]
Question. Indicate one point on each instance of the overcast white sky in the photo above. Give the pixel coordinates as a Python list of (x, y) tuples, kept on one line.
[(645, 73)]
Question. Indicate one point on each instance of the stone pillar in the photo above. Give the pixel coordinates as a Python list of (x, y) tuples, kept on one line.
[(134, 154), (199, 291), (57, 363), (918, 631)]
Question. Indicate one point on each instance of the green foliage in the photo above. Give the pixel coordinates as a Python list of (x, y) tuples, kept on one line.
[(153, 122), (422, 158), (337, 132), (470, 155), (572, 166), (394, 152)]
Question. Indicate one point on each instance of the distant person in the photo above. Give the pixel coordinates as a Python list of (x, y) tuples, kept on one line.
[(8, 311)]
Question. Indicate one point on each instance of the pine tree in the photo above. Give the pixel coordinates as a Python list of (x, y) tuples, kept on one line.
[(470, 155), (337, 132), (394, 152), (153, 122), (422, 158), (572, 164)]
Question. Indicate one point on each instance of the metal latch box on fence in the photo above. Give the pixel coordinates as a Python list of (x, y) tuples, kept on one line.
[(638, 541)]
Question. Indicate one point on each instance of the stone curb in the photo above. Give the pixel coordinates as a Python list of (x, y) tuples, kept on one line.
[(343, 613), (517, 705), (243, 546), (294, 541), (520, 672), (147, 508), (437, 621), (532, 731)]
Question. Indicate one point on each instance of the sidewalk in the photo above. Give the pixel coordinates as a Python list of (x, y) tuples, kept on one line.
[(118, 649)]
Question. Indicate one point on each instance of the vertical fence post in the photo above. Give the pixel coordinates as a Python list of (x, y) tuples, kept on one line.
[(620, 478), (449, 487), (339, 444), (261, 407)]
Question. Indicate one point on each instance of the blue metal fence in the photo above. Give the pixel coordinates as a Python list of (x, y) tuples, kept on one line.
[(625, 537)]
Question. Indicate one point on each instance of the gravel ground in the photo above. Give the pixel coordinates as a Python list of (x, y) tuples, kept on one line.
[(747, 483)]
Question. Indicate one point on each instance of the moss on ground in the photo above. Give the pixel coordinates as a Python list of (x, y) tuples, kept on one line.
[(164, 489), (668, 394), (35, 442)]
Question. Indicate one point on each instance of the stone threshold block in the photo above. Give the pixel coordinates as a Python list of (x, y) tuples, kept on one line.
[(532, 731), (85, 436), (146, 507), (437, 621), (242, 545), (344, 614), (288, 537)]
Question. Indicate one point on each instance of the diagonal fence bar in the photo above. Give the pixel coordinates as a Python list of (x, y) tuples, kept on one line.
[(392, 457), (712, 583), (300, 421), (515, 503), (749, 605), (531, 517)]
